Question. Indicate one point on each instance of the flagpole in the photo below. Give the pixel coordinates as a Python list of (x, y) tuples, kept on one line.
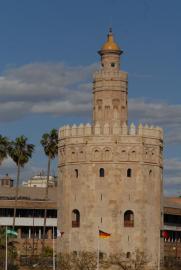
[(6, 259), (53, 250), (98, 251)]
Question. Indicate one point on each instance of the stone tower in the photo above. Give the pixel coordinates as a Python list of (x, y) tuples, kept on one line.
[(110, 175)]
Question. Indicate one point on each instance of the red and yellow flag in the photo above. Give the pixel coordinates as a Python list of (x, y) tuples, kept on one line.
[(104, 234)]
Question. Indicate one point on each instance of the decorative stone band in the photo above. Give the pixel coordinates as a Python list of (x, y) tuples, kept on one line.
[(107, 130), (112, 74)]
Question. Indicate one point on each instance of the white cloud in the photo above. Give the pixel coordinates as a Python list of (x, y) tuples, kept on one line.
[(158, 113), (165, 115), (172, 186), (57, 89), (42, 88), (172, 176)]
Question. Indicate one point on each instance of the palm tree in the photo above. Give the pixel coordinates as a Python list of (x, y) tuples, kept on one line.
[(20, 152), (4, 144), (49, 142)]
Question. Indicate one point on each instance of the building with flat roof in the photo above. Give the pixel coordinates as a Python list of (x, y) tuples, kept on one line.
[(40, 180), (29, 216)]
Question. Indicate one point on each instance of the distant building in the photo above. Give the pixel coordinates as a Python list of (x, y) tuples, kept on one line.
[(29, 220), (40, 181), (6, 181)]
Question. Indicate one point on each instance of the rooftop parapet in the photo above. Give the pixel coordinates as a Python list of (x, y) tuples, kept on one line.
[(124, 130)]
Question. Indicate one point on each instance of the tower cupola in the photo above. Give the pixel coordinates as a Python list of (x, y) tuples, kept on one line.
[(110, 46), (110, 54)]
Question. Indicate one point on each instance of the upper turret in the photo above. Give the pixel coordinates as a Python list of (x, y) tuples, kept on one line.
[(110, 53), (110, 86)]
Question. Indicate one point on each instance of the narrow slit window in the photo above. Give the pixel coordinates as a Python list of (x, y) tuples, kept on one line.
[(101, 172), (75, 218), (76, 173), (129, 172)]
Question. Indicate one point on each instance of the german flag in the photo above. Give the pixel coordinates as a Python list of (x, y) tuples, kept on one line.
[(104, 234)]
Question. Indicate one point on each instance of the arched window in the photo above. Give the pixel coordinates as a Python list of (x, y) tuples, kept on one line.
[(73, 156), (129, 172), (96, 154), (76, 173), (75, 218), (133, 154), (107, 154), (129, 219), (101, 172), (124, 154), (128, 255), (81, 155)]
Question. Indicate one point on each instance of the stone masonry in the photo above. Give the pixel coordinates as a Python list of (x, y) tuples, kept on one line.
[(110, 175)]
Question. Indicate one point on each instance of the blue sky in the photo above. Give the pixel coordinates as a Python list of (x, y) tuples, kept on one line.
[(48, 52)]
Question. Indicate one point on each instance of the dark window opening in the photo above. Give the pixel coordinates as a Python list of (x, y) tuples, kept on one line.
[(101, 172), (112, 64), (129, 219), (76, 173), (75, 218), (75, 253), (129, 172), (128, 255), (101, 255)]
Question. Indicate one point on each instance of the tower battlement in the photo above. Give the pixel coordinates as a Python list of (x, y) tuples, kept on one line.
[(107, 130)]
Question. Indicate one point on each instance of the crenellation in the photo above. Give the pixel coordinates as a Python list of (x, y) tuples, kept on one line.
[(115, 130), (74, 130), (132, 129), (97, 129), (106, 129), (81, 130)]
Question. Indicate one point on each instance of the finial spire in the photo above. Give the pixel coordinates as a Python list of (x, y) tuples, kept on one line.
[(110, 45)]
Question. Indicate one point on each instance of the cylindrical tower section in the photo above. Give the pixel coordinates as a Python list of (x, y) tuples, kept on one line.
[(110, 87)]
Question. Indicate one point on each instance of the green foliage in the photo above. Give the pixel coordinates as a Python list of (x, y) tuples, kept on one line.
[(135, 261), (47, 252), (81, 261), (4, 146), (88, 261), (85, 261), (20, 151), (49, 142), (12, 252), (171, 263), (65, 261)]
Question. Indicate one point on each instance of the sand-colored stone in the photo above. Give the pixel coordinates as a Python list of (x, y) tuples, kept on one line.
[(110, 144)]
